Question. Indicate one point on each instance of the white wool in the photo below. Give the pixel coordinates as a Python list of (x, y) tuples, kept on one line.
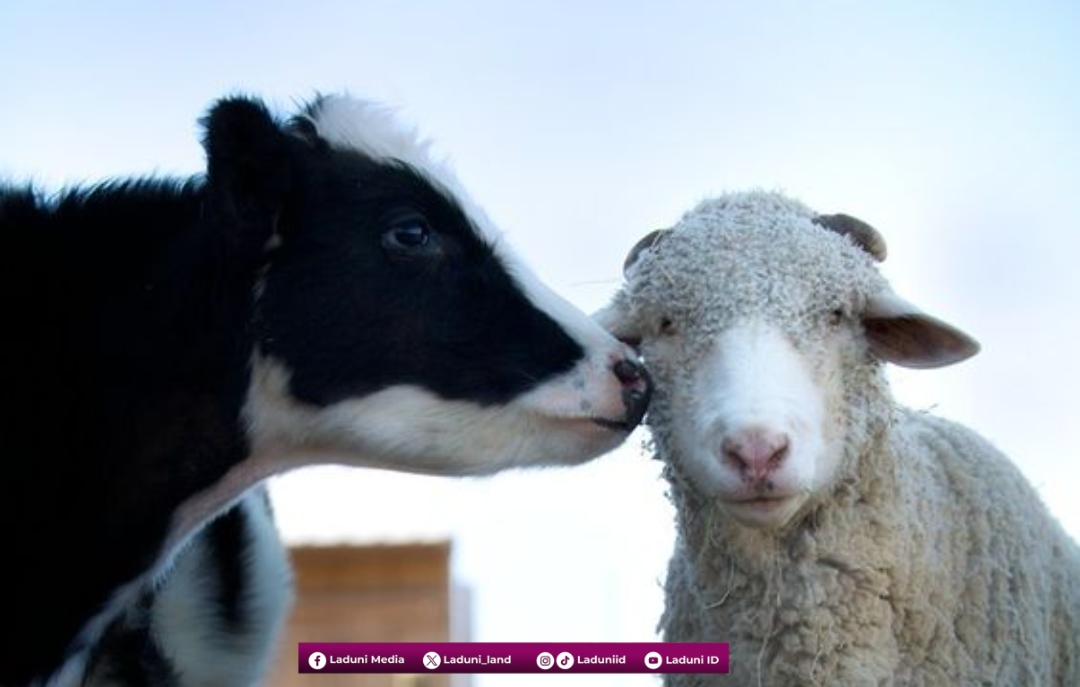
[(927, 559)]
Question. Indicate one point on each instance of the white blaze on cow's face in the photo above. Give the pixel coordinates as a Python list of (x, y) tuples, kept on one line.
[(421, 342), (751, 429)]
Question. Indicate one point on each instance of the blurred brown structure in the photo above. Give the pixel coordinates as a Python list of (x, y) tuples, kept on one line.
[(378, 593)]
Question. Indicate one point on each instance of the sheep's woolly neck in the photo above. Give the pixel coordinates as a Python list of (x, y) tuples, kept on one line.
[(937, 565), (929, 561)]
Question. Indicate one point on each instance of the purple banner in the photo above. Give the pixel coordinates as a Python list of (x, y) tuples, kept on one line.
[(513, 657)]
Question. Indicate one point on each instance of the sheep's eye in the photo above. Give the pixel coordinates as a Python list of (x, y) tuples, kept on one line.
[(667, 326), (835, 317)]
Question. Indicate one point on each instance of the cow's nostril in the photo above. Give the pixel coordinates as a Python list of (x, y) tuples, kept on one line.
[(628, 372), (637, 389)]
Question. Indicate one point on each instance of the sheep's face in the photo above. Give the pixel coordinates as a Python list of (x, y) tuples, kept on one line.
[(763, 331), (749, 422)]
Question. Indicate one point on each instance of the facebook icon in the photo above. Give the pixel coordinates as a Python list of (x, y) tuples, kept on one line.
[(317, 660)]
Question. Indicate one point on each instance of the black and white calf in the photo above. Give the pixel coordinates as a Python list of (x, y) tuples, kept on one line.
[(326, 292)]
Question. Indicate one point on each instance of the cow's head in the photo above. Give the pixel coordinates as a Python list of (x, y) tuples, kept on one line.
[(394, 328)]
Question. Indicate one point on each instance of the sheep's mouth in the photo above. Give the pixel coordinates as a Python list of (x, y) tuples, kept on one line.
[(764, 502), (760, 496), (766, 511)]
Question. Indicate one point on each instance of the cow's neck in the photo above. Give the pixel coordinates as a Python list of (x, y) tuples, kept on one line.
[(149, 335)]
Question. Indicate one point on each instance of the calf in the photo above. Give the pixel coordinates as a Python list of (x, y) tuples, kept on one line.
[(325, 293)]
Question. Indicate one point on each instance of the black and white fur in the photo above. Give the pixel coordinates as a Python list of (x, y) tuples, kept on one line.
[(214, 618), (326, 292)]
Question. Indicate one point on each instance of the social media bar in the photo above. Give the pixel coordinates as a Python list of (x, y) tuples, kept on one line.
[(513, 657)]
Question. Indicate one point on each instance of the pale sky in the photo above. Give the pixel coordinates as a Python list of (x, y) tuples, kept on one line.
[(951, 127)]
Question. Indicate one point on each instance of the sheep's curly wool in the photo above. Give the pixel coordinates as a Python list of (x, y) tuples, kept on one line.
[(929, 561)]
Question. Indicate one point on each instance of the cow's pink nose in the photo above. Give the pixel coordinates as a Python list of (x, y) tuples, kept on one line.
[(755, 451)]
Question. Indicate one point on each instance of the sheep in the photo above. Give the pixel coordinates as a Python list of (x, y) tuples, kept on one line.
[(830, 535)]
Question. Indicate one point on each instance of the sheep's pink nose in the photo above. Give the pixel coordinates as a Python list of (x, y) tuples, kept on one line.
[(756, 451)]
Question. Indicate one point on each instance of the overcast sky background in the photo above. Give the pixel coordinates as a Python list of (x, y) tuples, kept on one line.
[(951, 127)]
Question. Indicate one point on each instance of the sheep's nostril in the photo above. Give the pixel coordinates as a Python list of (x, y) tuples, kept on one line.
[(756, 452)]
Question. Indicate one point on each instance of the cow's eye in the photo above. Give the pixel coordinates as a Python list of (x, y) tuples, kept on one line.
[(409, 236)]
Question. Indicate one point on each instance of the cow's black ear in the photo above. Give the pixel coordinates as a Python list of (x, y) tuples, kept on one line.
[(251, 168)]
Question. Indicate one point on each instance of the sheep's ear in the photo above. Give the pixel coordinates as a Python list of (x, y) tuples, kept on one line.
[(646, 243), (901, 333), (616, 319), (864, 235)]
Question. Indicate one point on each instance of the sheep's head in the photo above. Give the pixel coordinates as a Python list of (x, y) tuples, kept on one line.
[(764, 326)]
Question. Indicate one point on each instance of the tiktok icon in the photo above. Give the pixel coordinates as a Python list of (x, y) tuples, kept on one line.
[(317, 660)]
